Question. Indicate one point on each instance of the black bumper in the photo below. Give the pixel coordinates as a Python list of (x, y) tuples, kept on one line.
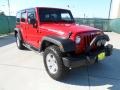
[(84, 60)]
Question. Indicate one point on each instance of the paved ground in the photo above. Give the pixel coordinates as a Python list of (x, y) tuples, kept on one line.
[(24, 70)]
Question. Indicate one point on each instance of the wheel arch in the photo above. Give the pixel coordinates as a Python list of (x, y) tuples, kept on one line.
[(65, 45), (17, 31)]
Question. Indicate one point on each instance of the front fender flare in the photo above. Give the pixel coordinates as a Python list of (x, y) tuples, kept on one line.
[(66, 45)]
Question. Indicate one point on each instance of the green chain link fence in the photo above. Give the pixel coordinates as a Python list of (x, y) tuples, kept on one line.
[(115, 25), (7, 24), (102, 24)]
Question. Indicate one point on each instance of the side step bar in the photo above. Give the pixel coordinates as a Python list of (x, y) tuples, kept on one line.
[(31, 48)]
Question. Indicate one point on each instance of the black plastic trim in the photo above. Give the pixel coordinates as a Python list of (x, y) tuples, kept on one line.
[(66, 45), (97, 38), (17, 30), (86, 59), (73, 62), (109, 49)]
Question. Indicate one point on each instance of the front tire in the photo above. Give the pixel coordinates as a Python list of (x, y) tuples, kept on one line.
[(53, 62)]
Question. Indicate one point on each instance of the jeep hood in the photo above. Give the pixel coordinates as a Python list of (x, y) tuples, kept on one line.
[(65, 28)]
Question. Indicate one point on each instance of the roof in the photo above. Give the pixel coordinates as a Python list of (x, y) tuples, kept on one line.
[(43, 8), (51, 8)]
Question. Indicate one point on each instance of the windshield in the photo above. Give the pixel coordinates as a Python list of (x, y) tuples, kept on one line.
[(55, 15)]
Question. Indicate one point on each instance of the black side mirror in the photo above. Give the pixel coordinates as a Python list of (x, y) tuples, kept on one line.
[(32, 21)]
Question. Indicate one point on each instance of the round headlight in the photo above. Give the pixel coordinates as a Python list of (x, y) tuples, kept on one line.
[(78, 39), (101, 42)]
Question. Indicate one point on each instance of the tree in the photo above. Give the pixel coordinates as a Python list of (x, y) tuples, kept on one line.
[(2, 13)]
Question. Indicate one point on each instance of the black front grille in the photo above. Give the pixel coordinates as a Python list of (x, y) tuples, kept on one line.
[(88, 39)]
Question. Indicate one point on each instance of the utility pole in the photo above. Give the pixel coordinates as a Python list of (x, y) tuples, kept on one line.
[(8, 17), (110, 9), (9, 7), (68, 4), (109, 14)]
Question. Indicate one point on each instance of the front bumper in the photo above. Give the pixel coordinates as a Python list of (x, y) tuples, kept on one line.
[(86, 59)]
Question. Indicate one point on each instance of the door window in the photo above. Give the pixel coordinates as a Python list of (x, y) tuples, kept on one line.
[(18, 16), (23, 17), (31, 15), (65, 16)]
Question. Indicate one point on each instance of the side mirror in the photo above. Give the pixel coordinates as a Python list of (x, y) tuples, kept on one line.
[(32, 21)]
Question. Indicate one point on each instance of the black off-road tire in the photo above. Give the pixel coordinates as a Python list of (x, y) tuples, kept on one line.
[(19, 42), (61, 68)]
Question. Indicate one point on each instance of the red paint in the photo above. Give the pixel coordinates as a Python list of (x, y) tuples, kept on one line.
[(34, 36)]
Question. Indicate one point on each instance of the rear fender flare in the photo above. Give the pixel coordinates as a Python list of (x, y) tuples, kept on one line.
[(17, 31)]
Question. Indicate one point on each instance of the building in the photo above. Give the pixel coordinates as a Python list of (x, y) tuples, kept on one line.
[(115, 9), (119, 11)]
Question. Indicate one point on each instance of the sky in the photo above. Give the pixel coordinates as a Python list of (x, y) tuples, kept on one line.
[(79, 8)]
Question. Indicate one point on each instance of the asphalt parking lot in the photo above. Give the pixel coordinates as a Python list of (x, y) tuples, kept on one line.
[(24, 70)]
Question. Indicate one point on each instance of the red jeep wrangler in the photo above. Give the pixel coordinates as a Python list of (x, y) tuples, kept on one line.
[(65, 44)]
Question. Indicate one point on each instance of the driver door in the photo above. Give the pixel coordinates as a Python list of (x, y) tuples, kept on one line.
[(32, 31)]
